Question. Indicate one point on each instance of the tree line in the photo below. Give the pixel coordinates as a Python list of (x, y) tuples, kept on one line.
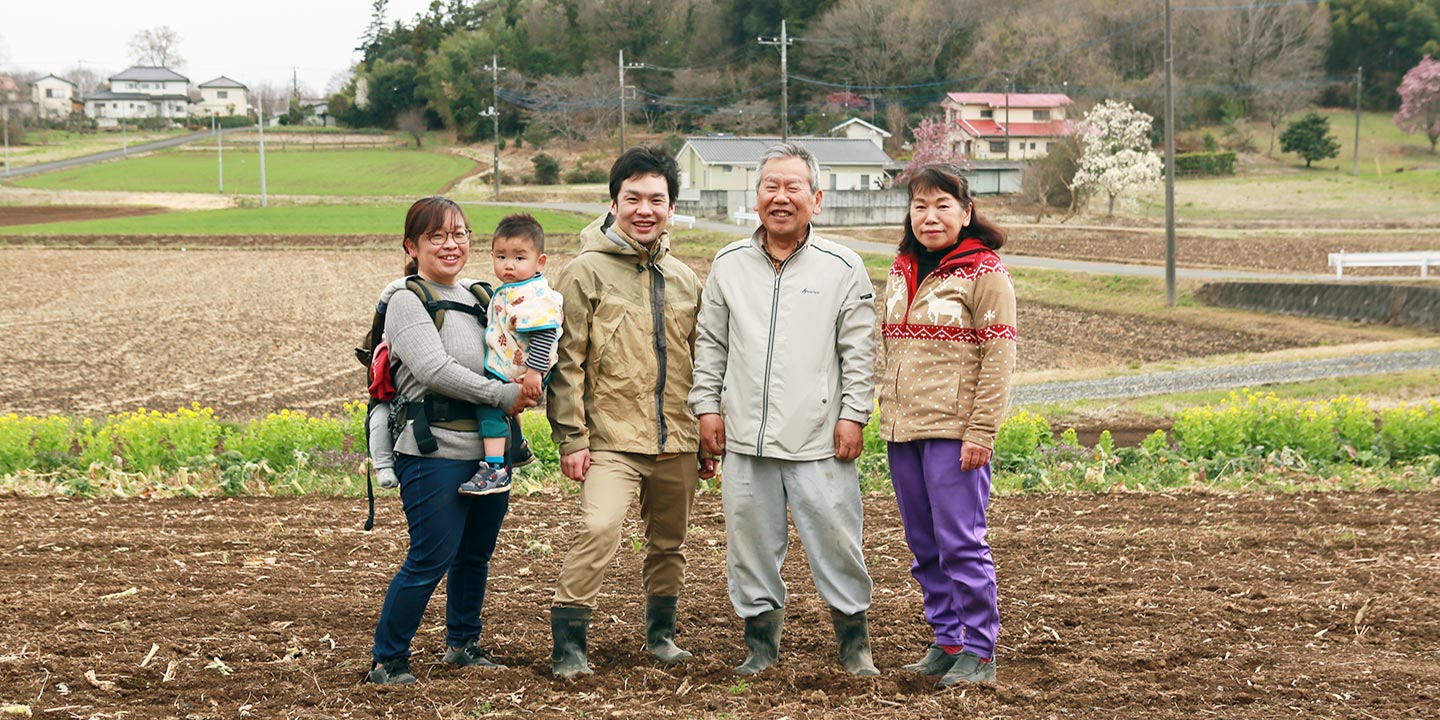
[(702, 68)]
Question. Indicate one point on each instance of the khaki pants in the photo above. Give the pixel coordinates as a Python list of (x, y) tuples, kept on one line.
[(667, 490)]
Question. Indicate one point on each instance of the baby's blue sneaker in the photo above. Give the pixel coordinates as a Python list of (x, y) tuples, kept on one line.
[(488, 480)]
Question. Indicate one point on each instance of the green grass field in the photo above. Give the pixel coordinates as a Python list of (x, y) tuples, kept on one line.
[(1399, 180), (351, 172), (379, 219)]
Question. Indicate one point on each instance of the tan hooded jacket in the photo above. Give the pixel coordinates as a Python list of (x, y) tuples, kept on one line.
[(626, 358)]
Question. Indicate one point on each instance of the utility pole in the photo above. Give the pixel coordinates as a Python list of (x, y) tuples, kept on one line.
[(494, 115), (784, 41), (219, 151), (1007, 118), (264, 199), (124, 139), (1359, 83), (623, 67), (1169, 162)]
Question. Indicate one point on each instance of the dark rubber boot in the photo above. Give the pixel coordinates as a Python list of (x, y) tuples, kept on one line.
[(660, 630), (853, 633), (762, 637), (568, 628)]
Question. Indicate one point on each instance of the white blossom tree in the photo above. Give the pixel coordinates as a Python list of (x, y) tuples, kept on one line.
[(1117, 156)]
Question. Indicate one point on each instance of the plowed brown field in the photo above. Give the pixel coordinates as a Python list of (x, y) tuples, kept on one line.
[(1151, 605)]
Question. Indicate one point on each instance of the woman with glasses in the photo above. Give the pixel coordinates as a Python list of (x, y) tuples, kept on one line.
[(440, 373), (949, 333)]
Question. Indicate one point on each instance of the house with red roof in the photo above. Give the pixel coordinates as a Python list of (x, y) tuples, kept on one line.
[(1005, 126)]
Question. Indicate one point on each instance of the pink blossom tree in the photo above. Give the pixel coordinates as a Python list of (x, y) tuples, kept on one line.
[(1420, 100), (932, 145)]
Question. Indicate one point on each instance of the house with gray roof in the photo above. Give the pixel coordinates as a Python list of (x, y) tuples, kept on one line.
[(54, 96), (141, 92), (729, 163), (221, 96)]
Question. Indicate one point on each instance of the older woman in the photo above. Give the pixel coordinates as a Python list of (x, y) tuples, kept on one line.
[(949, 351), (441, 373)]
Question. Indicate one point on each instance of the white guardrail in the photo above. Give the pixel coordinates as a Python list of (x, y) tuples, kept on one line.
[(1423, 259), (686, 220), (743, 216)]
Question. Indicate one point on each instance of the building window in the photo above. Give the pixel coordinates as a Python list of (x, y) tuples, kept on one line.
[(726, 168), (222, 94), (997, 146), (49, 92), (1032, 146), (1042, 116), (864, 182), (987, 113)]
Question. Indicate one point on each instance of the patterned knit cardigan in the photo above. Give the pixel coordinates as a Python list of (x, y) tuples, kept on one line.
[(949, 348)]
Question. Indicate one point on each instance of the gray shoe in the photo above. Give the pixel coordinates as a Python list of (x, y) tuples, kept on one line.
[(969, 668), (935, 662), (471, 655), (395, 671), (488, 480)]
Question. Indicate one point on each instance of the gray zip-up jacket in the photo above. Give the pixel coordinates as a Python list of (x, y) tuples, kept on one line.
[(782, 356)]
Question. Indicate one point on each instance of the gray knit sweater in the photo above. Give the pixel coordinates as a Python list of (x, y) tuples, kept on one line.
[(450, 362)]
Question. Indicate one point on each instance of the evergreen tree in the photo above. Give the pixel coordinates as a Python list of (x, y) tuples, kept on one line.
[(1310, 138)]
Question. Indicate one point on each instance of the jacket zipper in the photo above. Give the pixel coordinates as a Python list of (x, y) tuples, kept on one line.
[(770, 349), (657, 318)]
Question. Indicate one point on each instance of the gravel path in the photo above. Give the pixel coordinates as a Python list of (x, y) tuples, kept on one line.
[(1220, 378)]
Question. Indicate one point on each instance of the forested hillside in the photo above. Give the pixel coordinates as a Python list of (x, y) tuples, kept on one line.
[(699, 65)]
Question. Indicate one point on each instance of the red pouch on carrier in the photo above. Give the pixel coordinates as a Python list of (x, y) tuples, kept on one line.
[(382, 383)]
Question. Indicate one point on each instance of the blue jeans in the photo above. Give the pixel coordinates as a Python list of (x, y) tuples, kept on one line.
[(450, 534)]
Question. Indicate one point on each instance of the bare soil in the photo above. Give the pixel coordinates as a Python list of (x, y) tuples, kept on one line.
[(1152, 605), (33, 215), (265, 325)]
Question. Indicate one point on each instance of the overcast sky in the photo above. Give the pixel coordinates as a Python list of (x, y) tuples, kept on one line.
[(252, 41)]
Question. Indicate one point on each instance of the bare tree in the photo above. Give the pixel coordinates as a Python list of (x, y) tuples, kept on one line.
[(883, 42), (411, 121), (85, 79), (157, 47), (574, 108), (1257, 51)]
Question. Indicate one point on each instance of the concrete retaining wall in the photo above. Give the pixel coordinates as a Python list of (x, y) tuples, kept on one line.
[(1413, 305)]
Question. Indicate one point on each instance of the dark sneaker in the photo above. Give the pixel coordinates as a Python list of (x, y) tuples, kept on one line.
[(395, 671), (488, 480), (471, 655), (522, 455), (969, 668), (935, 662)]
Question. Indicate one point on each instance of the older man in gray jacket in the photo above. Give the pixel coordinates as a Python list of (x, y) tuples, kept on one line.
[(784, 380)]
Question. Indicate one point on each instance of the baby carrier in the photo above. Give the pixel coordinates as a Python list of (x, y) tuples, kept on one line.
[(434, 410)]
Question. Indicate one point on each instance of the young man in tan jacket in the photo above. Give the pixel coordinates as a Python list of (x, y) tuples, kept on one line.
[(617, 404)]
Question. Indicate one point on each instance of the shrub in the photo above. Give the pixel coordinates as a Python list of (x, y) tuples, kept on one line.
[(1019, 439), (1205, 163), (547, 169)]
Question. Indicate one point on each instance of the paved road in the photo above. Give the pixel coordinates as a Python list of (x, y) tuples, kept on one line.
[(112, 154), (1227, 377)]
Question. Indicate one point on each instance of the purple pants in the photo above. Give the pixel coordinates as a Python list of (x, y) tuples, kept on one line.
[(943, 510)]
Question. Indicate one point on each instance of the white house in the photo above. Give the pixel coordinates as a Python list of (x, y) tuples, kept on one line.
[(1005, 126), (55, 97), (857, 128), (729, 163), (221, 96), (141, 92)]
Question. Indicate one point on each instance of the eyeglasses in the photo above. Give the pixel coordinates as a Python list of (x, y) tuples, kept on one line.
[(438, 238)]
